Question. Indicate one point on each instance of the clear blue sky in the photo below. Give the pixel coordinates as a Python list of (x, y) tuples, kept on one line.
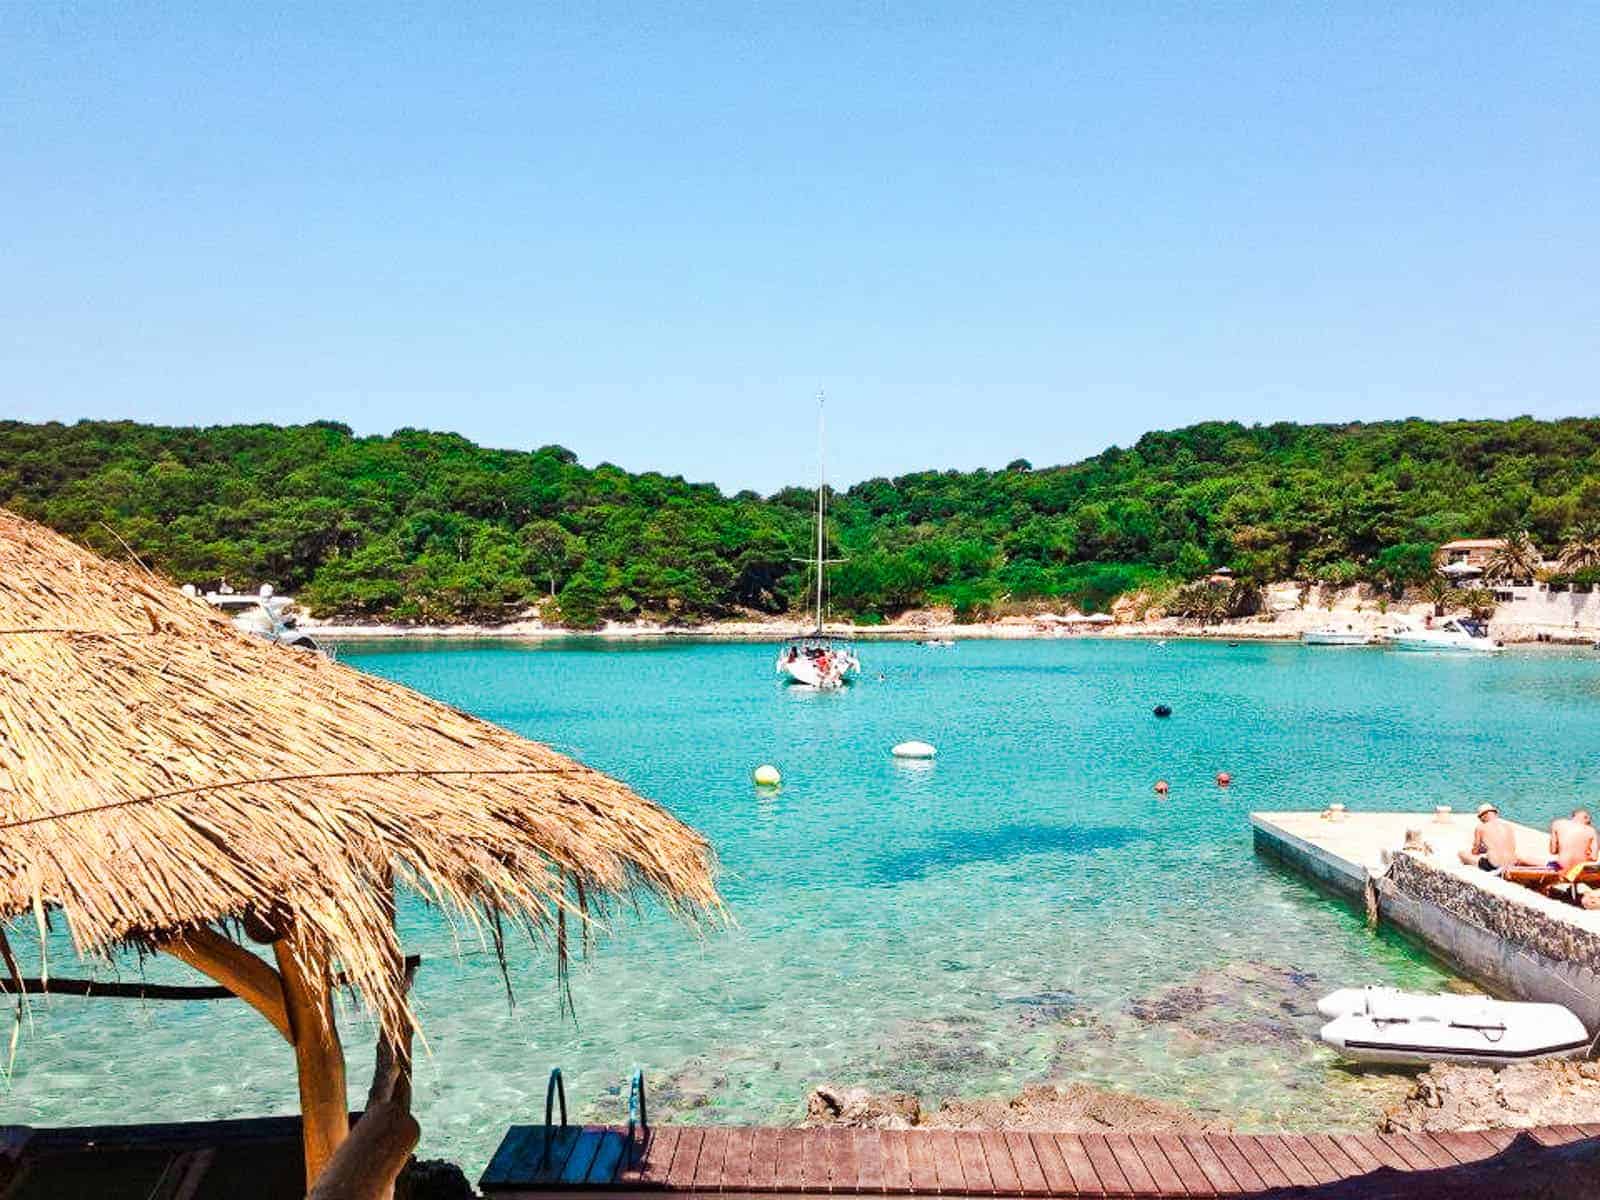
[(651, 232)]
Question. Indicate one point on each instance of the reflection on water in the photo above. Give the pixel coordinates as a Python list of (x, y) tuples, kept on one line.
[(1023, 908)]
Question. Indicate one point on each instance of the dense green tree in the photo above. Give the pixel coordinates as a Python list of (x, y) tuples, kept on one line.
[(422, 525)]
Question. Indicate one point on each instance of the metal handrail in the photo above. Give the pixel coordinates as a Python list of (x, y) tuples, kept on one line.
[(637, 1116), (555, 1089)]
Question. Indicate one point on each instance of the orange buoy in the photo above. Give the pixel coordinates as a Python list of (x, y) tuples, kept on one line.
[(1223, 779), (1161, 787)]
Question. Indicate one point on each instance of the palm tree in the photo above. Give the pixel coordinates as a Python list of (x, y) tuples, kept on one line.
[(1518, 559), (1438, 589), (1581, 552)]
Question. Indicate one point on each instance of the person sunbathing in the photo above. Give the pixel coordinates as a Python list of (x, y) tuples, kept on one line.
[(1573, 841), (1494, 842)]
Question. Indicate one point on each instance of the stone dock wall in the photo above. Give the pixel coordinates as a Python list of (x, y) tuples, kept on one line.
[(1509, 947)]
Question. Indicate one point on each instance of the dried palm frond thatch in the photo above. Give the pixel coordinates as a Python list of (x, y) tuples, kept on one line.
[(161, 772)]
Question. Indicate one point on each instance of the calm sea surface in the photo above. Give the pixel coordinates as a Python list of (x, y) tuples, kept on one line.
[(1023, 909)]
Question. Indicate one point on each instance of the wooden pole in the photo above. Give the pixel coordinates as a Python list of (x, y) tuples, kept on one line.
[(236, 969), (318, 1056)]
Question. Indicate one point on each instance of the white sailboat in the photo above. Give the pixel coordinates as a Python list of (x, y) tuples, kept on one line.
[(817, 660)]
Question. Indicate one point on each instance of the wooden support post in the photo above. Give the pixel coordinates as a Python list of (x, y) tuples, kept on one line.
[(319, 1059), (236, 969)]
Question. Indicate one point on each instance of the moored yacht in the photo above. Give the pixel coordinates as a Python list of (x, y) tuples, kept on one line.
[(1454, 634), (817, 660), (1334, 635)]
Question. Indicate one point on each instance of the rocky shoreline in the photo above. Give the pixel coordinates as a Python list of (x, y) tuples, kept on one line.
[(1443, 1099)]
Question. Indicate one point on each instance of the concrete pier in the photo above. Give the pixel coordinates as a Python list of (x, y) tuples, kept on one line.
[(1507, 938)]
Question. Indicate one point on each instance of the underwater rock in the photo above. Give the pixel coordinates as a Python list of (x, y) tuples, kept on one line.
[(1448, 1098), (689, 1087), (1175, 1003), (1049, 1008), (857, 1108)]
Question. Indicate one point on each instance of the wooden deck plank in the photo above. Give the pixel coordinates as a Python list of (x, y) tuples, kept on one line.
[(685, 1159), (815, 1160), (844, 1160), (503, 1170), (1347, 1167), (1437, 1156), (1356, 1152), (869, 1155), (1190, 1174), (922, 1163), (1168, 1182), (789, 1170), (1322, 1172), (582, 1157), (1133, 1169), (1500, 1139), (546, 1165), (974, 1164), (1058, 1175), (646, 1166), (713, 1155), (1377, 1147), (1284, 1159), (1112, 1181), (947, 1159), (736, 1164), (1244, 1175), (763, 1160), (896, 1162), (608, 1160), (1030, 1176), (1397, 1147), (1002, 1171), (1261, 1163), (1464, 1148), (1562, 1134), (1218, 1177)]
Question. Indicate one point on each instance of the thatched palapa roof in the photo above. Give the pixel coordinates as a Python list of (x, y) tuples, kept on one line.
[(160, 770)]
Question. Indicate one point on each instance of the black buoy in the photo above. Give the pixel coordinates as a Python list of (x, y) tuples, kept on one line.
[(1161, 710)]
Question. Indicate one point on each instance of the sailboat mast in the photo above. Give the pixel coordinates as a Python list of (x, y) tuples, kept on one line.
[(822, 504)]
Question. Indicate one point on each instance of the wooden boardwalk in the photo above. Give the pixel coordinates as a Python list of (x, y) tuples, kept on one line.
[(742, 1161)]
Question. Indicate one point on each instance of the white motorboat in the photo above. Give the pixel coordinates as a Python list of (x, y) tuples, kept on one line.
[(939, 643), (1383, 1025), (1454, 634), (260, 613), (1333, 635), (817, 660)]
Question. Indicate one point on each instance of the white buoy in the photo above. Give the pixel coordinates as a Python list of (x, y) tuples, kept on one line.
[(767, 775), (913, 750)]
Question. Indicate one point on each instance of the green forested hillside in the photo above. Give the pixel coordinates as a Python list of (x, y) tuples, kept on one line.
[(423, 525)]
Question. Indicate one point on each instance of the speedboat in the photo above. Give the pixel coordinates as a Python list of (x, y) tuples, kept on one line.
[(939, 643), (1384, 1025), (262, 614), (1457, 633), (1332, 635)]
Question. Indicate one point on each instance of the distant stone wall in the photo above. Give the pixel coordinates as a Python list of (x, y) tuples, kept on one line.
[(1539, 610), (1519, 925)]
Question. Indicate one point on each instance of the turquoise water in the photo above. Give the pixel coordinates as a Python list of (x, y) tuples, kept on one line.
[(1022, 909)]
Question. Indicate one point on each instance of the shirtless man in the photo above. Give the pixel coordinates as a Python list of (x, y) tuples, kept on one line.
[(1573, 840), (1494, 842)]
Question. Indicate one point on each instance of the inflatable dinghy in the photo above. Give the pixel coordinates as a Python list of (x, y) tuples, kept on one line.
[(1382, 1025)]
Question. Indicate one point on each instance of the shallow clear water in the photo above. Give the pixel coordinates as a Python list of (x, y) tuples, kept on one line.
[(1022, 909)]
